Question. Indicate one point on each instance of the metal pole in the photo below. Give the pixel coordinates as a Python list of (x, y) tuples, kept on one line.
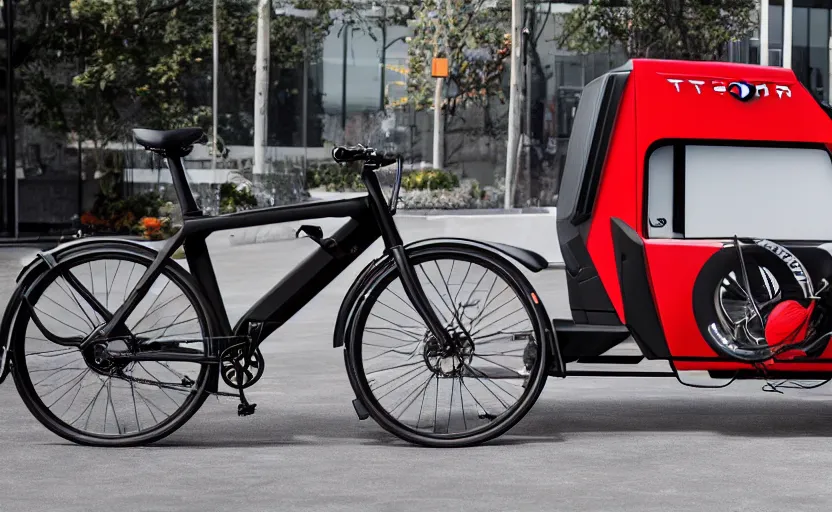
[(80, 142), (305, 107), (829, 56), (344, 84), (11, 159), (382, 102), (438, 126), (514, 98), (787, 33), (215, 91), (527, 98), (764, 32), (261, 85)]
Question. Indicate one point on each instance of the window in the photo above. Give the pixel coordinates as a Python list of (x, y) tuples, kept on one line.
[(702, 191)]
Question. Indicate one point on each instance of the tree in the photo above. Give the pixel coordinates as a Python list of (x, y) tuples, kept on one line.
[(662, 29), (472, 36), (97, 68)]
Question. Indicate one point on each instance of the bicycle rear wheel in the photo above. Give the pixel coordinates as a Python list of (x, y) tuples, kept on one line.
[(459, 395), (84, 398)]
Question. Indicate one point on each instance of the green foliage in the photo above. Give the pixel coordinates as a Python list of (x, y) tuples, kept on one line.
[(122, 215), (139, 205), (430, 179), (97, 68), (234, 198), (468, 195), (476, 42), (668, 29), (334, 177)]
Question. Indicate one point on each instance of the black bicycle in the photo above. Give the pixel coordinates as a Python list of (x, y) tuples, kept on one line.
[(112, 343)]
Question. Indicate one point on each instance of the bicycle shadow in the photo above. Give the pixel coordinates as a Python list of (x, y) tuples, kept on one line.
[(550, 421)]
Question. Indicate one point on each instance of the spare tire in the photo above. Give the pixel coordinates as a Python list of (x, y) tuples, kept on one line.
[(725, 316)]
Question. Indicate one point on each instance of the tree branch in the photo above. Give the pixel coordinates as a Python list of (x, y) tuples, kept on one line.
[(164, 8)]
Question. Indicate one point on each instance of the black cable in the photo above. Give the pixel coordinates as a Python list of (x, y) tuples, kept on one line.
[(771, 387), (702, 386)]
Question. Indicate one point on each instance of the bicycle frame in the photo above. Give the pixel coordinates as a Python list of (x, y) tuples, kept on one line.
[(369, 219)]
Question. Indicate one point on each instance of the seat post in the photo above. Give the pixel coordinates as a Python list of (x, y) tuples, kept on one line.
[(180, 184)]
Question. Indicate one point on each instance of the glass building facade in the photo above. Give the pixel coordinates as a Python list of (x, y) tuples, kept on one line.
[(332, 80)]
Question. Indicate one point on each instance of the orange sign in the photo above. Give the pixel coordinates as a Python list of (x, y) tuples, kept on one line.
[(439, 67)]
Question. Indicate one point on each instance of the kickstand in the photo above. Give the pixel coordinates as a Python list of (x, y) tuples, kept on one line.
[(245, 408)]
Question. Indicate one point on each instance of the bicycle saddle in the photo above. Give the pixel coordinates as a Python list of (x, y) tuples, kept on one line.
[(170, 140)]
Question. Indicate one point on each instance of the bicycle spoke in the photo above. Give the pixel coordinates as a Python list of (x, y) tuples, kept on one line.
[(373, 329), (80, 379), (100, 407), (484, 310), (397, 311), (80, 387), (127, 287), (60, 321), (395, 367), (414, 394)]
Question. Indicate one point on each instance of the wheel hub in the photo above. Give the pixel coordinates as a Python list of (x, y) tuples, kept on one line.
[(450, 359), (96, 357)]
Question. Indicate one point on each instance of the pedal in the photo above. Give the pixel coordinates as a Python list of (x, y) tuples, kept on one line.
[(360, 409), (245, 409)]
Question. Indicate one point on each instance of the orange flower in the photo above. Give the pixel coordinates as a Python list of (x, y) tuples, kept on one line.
[(151, 223), (88, 219), (152, 227)]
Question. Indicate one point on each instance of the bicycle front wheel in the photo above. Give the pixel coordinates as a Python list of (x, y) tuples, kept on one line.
[(459, 395), (88, 400)]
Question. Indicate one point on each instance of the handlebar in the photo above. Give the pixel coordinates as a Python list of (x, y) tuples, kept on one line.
[(344, 154), (375, 159)]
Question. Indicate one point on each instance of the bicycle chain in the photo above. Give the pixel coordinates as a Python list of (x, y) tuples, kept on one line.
[(179, 387)]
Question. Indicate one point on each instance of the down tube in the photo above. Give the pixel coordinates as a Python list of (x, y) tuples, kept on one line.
[(311, 276)]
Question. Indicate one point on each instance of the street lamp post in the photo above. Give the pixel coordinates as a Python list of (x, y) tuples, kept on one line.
[(788, 7), (764, 32), (11, 159), (261, 85), (304, 14), (214, 92)]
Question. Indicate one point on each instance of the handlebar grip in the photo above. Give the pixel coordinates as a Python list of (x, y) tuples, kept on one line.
[(348, 153)]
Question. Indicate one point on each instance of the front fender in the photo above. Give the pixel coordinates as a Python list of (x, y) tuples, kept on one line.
[(343, 324), (356, 290), (36, 269), (529, 259)]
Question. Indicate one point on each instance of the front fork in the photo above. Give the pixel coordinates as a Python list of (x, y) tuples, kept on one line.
[(416, 294), (394, 245)]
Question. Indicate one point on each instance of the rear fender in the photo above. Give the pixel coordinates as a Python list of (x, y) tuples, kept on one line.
[(38, 268)]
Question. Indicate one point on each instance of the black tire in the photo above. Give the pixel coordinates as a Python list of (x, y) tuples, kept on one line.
[(535, 356), (193, 397)]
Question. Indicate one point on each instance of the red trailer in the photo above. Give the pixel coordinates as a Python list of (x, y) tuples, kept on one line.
[(691, 217)]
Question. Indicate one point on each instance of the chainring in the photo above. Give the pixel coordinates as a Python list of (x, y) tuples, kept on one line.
[(252, 367)]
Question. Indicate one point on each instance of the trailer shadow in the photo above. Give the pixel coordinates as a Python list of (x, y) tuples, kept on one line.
[(729, 416)]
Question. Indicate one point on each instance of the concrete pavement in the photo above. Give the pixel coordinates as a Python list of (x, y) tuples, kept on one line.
[(588, 444)]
